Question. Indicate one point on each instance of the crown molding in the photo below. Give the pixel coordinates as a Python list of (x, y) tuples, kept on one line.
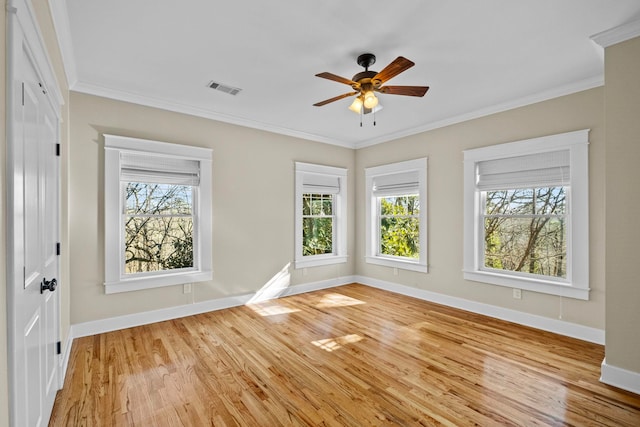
[(60, 18), (240, 121), (162, 104), (557, 92), (617, 34)]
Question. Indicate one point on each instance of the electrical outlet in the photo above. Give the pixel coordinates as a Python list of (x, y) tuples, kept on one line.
[(395, 271), (186, 288), (304, 271), (517, 293)]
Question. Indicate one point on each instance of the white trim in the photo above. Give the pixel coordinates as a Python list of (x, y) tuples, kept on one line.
[(545, 95), (621, 378), (60, 17), (617, 34), (35, 40), (23, 33), (156, 281), (64, 359), (175, 107), (528, 146), (527, 283), (398, 262), (340, 201), (576, 285), (137, 319), (115, 280), (119, 95), (371, 218), (539, 322)]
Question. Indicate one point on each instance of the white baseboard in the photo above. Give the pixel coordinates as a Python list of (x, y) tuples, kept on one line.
[(137, 319), (121, 322), (621, 378), (64, 359), (561, 327)]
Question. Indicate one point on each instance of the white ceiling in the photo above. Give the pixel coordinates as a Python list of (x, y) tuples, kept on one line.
[(478, 57)]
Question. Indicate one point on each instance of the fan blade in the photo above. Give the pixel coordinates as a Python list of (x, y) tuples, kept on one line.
[(337, 98), (335, 78), (404, 90), (398, 65)]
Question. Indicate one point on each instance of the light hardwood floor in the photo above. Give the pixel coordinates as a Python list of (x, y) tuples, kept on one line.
[(347, 356)]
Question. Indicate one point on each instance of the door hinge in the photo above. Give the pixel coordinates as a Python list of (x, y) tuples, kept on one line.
[(23, 94), (58, 248), (58, 347), (58, 149)]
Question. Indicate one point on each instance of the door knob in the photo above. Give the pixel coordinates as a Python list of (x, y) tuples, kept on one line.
[(48, 285)]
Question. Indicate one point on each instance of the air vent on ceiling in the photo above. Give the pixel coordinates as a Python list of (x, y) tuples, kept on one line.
[(224, 88)]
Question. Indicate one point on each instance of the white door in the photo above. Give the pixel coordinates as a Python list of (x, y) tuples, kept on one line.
[(33, 244)]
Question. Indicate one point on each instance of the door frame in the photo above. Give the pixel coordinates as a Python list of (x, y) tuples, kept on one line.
[(22, 27)]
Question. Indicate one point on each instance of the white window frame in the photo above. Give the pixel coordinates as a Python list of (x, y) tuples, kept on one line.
[(339, 254), (576, 284), (372, 253), (115, 279)]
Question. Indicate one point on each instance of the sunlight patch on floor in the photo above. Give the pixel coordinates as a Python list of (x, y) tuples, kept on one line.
[(337, 300), (333, 344), (272, 309)]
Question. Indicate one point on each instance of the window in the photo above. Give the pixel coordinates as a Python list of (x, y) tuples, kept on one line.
[(157, 214), (526, 215), (396, 215), (321, 215)]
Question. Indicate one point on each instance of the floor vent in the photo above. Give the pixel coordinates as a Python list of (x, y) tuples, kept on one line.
[(224, 88)]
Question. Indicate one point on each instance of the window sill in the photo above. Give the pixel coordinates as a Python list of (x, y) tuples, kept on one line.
[(528, 284), (397, 263), (150, 282), (319, 260)]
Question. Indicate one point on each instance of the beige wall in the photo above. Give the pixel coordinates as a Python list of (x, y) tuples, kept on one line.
[(253, 186), (444, 149), (4, 383), (253, 210), (622, 109)]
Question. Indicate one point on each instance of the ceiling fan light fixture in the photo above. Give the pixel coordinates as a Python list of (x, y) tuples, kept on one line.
[(356, 106), (370, 100)]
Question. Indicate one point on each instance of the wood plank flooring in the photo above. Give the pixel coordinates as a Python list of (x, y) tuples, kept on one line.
[(347, 356)]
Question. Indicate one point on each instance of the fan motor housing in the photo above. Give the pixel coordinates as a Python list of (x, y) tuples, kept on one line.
[(365, 77)]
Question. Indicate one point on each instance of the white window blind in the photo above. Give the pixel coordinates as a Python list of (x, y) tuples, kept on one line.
[(320, 184), (532, 170), (149, 168), (396, 184)]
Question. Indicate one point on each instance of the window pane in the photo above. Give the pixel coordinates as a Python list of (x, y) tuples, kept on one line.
[(529, 245), (327, 204), (306, 204), (540, 201), (400, 205), (550, 200), (509, 202), (317, 236), (400, 237), (158, 199), (317, 204), (156, 244)]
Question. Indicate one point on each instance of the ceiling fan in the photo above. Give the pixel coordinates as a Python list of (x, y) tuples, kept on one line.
[(366, 83)]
